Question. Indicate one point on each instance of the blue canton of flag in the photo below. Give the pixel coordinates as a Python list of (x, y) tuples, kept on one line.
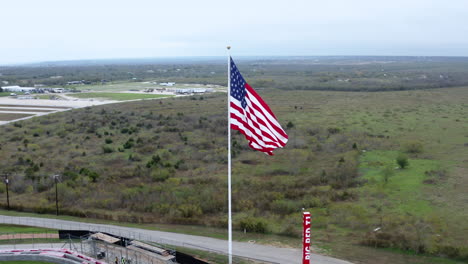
[(238, 85)]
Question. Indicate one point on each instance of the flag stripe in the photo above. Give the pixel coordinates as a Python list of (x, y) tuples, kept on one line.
[(260, 128), (253, 117), (255, 123), (250, 134), (272, 126)]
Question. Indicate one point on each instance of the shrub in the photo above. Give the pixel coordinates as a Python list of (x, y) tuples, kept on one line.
[(285, 207), (387, 172), (413, 147), (402, 160), (333, 130), (253, 224), (190, 210), (107, 149), (91, 174), (160, 175), (129, 144)]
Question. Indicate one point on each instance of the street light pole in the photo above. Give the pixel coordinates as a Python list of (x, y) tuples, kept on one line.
[(56, 195), (7, 194)]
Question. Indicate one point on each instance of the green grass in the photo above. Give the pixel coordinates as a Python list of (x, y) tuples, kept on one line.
[(211, 257), (17, 241), (123, 86), (118, 86), (43, 96), (273, 188), (118, 96), (5, 228), (4, 94), (404, 188)]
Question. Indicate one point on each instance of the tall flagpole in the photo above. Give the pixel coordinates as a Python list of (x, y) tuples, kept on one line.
[(229, 157)]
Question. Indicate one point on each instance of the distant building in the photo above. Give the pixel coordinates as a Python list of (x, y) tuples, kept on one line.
[(199, 90), (167, 84), (58, 90), (184, 91), (51, 90), (191, 90), (74, 82), (16, 88)]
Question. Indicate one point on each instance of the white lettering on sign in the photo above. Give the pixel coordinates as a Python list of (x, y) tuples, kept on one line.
[(307, 253), (306, 238)]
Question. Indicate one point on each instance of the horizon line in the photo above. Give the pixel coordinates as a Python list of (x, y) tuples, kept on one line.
[(32, 63)]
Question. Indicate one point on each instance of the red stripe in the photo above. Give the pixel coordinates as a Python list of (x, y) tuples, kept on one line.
[(266, 107), (249, 127), (260, 100), (260, 121), (248, 116), (269, 151)]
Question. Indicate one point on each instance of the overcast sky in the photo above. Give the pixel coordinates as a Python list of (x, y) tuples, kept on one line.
[(45, 30)]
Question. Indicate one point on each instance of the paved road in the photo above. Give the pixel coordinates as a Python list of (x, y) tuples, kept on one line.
[(248, 250)]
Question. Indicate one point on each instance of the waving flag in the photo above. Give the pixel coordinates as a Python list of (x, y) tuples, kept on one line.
[(252, 116)]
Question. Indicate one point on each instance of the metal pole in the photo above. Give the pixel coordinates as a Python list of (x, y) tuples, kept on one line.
[(56, 195), (7, 193), (229, 158)]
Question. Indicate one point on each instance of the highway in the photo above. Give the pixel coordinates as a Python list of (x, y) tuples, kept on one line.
[(252, 251)]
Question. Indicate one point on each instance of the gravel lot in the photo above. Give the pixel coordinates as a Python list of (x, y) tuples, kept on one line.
[(27, 106)]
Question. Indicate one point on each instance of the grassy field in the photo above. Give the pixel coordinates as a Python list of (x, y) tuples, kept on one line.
[(119, 96), (168, 162), (4, 228), (4, 94), (12, 116), (117, 87), (123, 86), (44, 96)]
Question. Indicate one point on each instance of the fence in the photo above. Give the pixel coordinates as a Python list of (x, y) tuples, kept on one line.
[(110, 252)]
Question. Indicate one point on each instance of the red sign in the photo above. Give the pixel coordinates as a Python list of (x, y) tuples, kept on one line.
[(306, 238)]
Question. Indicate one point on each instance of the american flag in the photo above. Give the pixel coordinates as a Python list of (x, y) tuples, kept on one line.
[(252, 116)]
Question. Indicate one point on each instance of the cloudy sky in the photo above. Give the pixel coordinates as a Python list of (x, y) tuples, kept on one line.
[(46, 30)]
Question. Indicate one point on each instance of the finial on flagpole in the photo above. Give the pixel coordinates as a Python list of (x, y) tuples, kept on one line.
[(228, 47)]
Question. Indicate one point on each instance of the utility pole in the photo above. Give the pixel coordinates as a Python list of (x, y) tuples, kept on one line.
[(7, 194), (56, 177)]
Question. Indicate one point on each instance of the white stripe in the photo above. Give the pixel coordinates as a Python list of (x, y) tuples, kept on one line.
[(253, 121), (266, 117), (249, 133), (266, 142), (270, 129), (265, 112)]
